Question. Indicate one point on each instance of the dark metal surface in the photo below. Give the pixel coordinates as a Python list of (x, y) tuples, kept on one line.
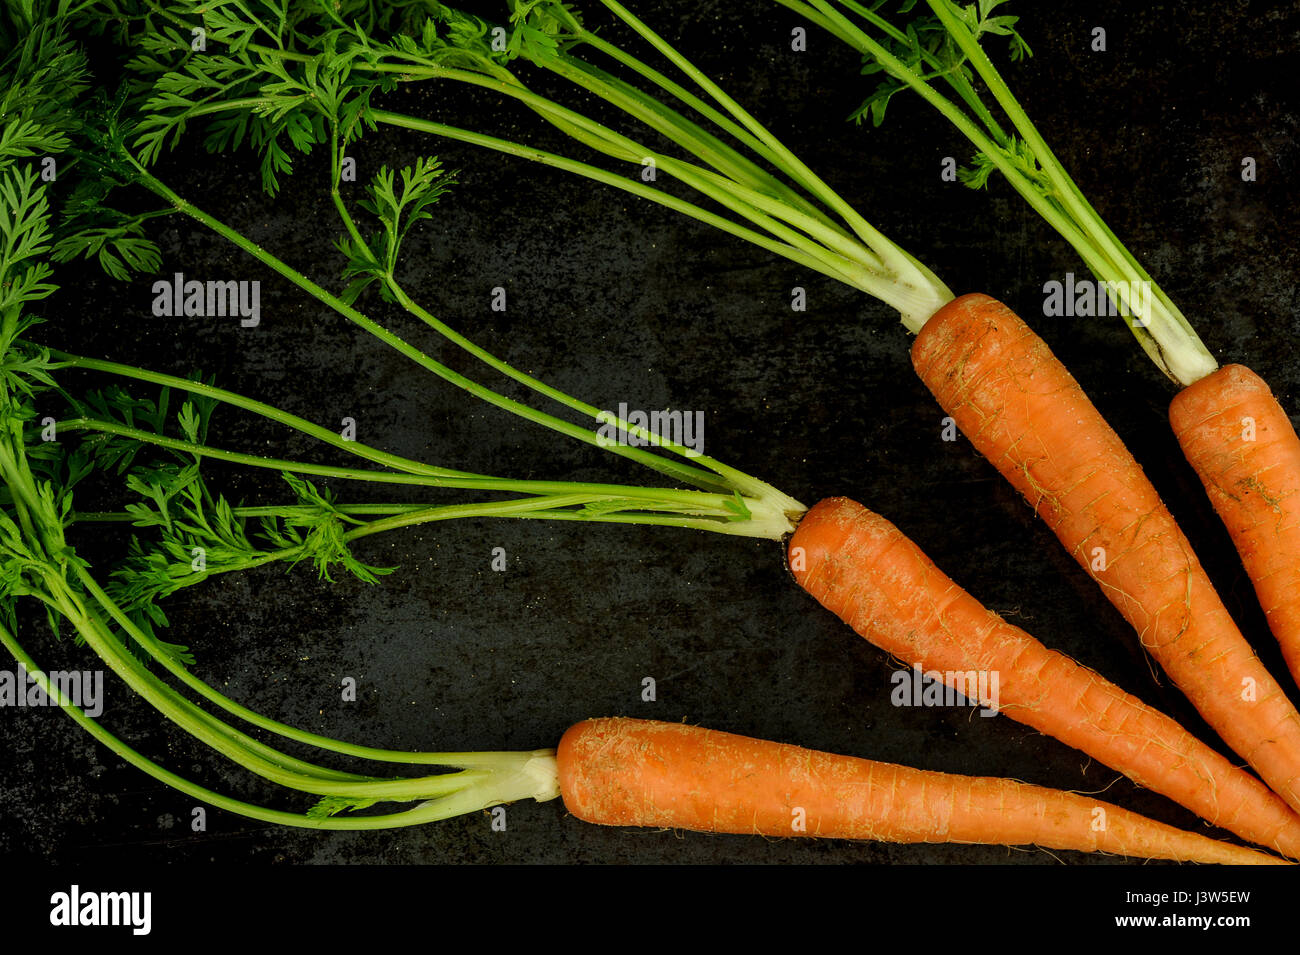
[(617, 301)]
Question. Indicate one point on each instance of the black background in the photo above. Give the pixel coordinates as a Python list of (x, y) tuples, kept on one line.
[(615, 300)]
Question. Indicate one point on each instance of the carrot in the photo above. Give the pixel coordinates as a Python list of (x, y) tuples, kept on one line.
[(1024, 412), (1252, 480), (625, 772), (864, 570), (1243, 447)]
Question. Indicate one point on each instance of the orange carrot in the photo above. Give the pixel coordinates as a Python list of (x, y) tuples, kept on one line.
[(1241, 443), (1024, 412), (624, 772), (864, 570)]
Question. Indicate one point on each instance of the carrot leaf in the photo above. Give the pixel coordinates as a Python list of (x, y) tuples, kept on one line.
[(944, 48)]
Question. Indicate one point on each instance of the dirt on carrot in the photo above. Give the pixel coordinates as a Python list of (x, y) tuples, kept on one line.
[(866, 571), (624, 772), (1028, 416), (1245, 450)]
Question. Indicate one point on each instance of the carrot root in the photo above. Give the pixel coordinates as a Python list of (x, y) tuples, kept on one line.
[(866, 571), (1026, 414), (623, 772), (1242, 445)]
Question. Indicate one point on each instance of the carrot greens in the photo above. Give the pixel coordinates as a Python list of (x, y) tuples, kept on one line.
[(946, 48), (308, 76), (186, 531)]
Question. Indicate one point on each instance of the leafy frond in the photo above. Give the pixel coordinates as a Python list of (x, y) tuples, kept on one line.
[(317, 531), (930, 51), (333, 805)]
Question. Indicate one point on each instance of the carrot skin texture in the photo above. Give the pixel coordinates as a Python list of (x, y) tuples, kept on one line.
[(1242, 445), (1024, 412), (625, 772), (868, 573)]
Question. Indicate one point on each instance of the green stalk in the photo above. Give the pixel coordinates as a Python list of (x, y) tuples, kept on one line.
[(39, 563), (731, 478), (251, 513), (689, 99), (632, 101), (901, 280), (153, 647), (677, 128), (788, 161), (728, 192), (302, 425), (596, 174), (689, 500), (1165, 335), (864, 44), (954, 78), (20, 485), (908, 285), (673, 469), (249, 753), (256, 757), (513, 776), (277, 464)]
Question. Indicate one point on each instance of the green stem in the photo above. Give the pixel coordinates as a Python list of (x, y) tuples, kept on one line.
[(685, 96), (251, 513), (952, 75), (691, 500), (726, 191), (1166, 336), (788, 161), (730, 478), (510, 781), (173, 666), (596, 174), (203, 726), (271, 412), (682, 131), (681, 472), (1029, 190), (20, 487)]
